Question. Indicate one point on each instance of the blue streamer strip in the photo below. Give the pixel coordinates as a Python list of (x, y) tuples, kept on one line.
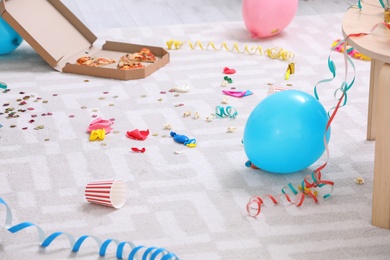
[(150, 253)]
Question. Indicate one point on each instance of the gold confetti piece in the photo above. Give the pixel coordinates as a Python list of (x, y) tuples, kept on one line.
[(155, 134), (224, 100), (115, 96), (45, 101), (111, 105), (95, 110), (47, 139), (176, 95), (178, 152), (12, 126), (85, 80), (39, 127), (83, 107), (103, 144), (359, 180), (186, 114), (102, 98), (143, 96), (164, 136), (160, 99), (116, 131)]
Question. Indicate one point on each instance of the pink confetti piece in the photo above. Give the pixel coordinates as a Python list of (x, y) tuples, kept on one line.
[(71, 116)]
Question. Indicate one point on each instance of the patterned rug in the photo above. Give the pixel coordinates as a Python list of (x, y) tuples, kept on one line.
[(189, 201)]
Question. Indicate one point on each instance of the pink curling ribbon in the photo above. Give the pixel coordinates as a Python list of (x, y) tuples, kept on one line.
[(100, 123), (137, 134)]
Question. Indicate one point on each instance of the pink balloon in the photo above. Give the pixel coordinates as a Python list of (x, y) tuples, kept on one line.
[(265, 18)]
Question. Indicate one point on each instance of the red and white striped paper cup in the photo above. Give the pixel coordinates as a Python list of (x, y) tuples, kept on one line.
[(110, 193)]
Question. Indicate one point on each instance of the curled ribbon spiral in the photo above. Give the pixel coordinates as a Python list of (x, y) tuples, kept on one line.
[(151, 253), (273, 53), (308, 188)]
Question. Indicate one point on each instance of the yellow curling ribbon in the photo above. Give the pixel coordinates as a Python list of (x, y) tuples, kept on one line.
[(273, 53), (98, 134)]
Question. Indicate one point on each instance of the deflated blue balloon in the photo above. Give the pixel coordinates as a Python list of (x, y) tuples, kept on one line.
[(9, 38), (285, 132)]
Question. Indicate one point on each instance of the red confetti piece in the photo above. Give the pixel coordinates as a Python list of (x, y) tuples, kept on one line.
[(226, 70), (54, 95), (33, 115), (22, 103), (30, 108), (94, 116), (112, 119), (49, 113), (172, 90), (44, 114), (24, 128), (31, 121), (137, 134), (105, 92), (135, 149), (71, 116), (163, 92), (21, 93)]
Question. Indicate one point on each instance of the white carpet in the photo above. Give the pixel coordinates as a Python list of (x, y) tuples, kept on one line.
[(190, 201)]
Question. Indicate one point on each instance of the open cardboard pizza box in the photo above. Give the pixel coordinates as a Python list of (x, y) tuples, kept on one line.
[(60, 38)]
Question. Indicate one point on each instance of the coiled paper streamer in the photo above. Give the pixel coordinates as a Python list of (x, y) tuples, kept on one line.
[(273, 53), (151, 253)]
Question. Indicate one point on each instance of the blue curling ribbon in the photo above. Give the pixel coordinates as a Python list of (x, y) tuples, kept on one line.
[(151, 253)]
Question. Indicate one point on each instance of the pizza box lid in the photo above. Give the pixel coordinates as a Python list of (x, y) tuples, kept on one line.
[(59, 37)]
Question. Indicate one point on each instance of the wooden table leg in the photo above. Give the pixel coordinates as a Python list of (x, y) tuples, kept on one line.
[(372, 98), (381, 189)]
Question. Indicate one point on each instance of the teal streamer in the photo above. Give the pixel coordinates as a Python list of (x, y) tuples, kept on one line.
[(229, 111), (3, 85), (345, 86), (151, 253)]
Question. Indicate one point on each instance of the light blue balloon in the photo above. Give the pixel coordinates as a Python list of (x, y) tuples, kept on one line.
[(9, 38), (285, 132)]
